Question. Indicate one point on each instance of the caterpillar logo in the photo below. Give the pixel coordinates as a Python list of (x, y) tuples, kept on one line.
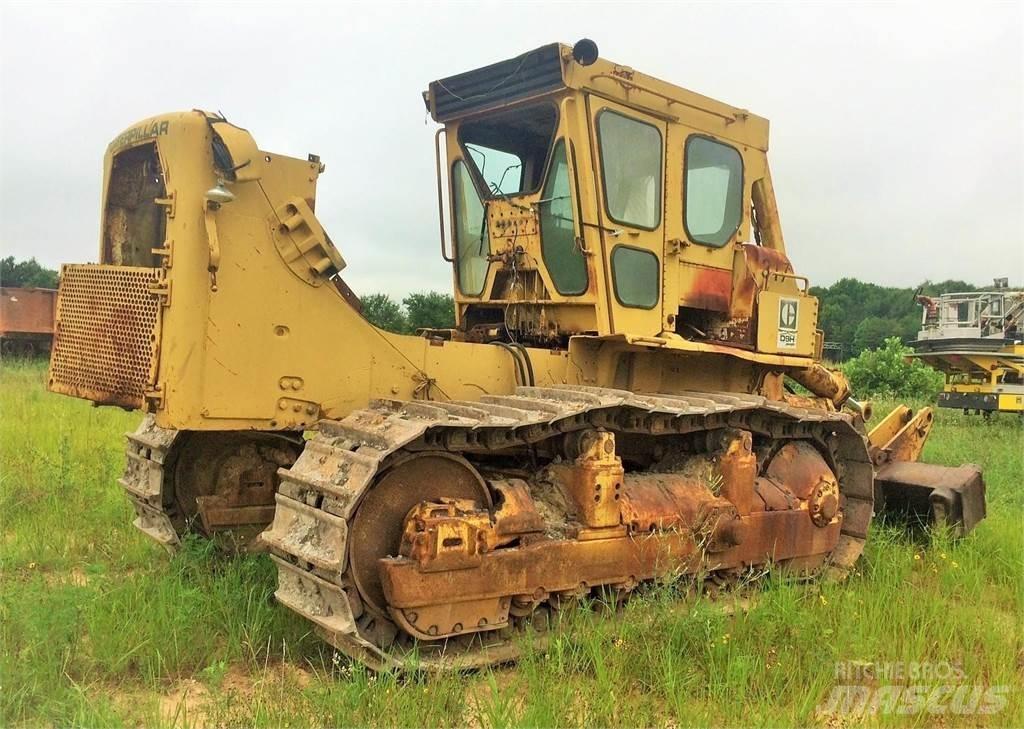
[(145, 131), (789, 320)]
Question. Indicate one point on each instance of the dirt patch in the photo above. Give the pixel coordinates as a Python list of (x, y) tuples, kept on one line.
[(184, 704), (190, 701), (479, 694)]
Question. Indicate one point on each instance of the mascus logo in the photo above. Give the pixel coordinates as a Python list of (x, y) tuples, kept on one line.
[(143, 131)]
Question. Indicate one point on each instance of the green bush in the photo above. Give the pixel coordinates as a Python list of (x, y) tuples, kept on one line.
[(429, 310), (383, 312), (889, 372)]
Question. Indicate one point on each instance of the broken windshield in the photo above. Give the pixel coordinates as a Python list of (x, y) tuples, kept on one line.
[(508, 150)]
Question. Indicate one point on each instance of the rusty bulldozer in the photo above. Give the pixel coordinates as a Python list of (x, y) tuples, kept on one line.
[(616, 403)]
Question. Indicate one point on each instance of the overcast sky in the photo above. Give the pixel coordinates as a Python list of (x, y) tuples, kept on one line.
[(896, 131)]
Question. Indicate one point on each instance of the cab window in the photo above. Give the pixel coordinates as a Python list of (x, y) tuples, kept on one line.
[(134, 224), (631, 169), (509, 150), (471, 240), (562, 256), (713, 192), (635, 275)]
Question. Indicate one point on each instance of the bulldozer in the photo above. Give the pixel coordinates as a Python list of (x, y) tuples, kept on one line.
[(631, 393)]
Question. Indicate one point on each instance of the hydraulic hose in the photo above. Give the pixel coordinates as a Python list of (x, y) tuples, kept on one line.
[(529, 364), (520, 370)]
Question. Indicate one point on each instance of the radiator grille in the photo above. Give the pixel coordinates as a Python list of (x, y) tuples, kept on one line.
[(106, 334)]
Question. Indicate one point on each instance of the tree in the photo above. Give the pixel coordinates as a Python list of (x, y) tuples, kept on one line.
[(431, 310), (26, 274), (873, 331), (889, 371), (381, 311), (861, 315)]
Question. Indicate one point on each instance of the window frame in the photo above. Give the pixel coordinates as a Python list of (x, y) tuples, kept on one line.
[(686, 188), (455, 229), (661, 168), (106, 249), (657, 277), (573, 203), (477, 177)]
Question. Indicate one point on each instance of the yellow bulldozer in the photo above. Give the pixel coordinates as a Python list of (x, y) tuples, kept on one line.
[(632, 390)]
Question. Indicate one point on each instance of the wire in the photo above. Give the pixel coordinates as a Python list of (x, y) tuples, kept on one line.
[(520, 372), (512, 283), (491, 90), (529, 364)]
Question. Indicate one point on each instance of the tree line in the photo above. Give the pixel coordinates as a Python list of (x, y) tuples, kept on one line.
[(26, 274), (859, 316), (428, 310)]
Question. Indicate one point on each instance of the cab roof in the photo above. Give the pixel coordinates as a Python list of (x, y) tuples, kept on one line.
[(551, 68)]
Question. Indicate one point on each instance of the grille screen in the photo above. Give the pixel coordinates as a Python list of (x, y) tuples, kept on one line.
[(530, 74), (106, 334)]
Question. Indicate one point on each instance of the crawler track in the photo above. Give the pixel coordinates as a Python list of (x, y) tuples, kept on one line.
[(319, 495)]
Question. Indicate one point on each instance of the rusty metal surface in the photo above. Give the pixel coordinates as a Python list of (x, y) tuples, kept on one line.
[(828, 384), (749, 276), (737, 465), (593, 482), (345, 457), (224, 480), (901, 435), (562, 565), (207, 482), (709, 289), (26, 311), (800, 467), (928, 493), (106, 334), (377, 527), (321, 498)]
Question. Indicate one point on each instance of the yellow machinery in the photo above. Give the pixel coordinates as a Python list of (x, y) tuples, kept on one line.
[(976, 341), (612, 407)]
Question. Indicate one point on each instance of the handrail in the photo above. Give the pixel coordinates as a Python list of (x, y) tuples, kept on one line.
[(787, 274), (627, 84)]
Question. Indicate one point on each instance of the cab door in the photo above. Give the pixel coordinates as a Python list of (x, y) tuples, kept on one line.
[(629, 165)]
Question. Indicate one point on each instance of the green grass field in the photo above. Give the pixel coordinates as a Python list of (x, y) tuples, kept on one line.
[(100, 627)]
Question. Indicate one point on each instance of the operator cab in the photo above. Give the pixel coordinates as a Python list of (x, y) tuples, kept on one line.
[(584, 198)]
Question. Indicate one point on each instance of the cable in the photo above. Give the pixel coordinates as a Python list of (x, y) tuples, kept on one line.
[(529, 364), (491, 90), (520, 372)]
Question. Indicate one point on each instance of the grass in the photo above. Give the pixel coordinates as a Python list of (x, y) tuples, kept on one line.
[(100, 627)]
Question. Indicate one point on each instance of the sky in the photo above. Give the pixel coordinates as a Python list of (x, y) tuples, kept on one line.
[(896, 130)]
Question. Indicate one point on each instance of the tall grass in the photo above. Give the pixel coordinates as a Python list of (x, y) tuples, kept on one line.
[(100, 627)]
